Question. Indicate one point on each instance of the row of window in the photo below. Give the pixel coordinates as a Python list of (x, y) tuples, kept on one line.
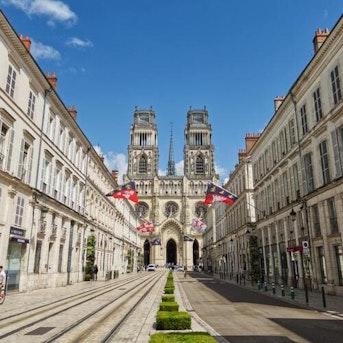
[(287, 137), (54, 129)]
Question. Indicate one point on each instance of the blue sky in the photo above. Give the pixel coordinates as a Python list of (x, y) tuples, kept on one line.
[(234, 57)]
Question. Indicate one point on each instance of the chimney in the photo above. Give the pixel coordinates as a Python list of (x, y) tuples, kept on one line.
[(278, 101), (241, 154), (73, 112), (319, 38), (115, 175), (26, 41), (250, 140), (52, 80)]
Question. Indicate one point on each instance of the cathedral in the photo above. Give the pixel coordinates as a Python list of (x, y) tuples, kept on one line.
[(171, 202)]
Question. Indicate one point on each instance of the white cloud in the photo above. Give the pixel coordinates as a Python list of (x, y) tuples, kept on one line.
[(179, 168), (77, 42), (118, 161), (55, 11), (114, 161), (41, 51), (223, 175)]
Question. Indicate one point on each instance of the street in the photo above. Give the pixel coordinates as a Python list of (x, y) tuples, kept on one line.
[(242, 315)]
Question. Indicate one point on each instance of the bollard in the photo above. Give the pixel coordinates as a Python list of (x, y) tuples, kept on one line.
[(282, 290), (265, 287), (323, 297), (292, 293), (273, 287), (258, 285)]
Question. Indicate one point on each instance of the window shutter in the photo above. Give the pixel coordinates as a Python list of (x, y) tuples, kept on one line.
[(10, 149), (43, 174), (29, 168), (336, 153), (21, 160), (303, 174)]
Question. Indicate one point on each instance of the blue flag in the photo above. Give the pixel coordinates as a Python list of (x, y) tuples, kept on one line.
[(187, 239), (156, 241)]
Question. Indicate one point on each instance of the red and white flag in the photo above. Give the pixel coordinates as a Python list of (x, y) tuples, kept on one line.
[(146, 227), (198, 225)]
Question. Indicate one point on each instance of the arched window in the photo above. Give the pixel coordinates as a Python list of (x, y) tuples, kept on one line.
[(142, 169), (199, 165)]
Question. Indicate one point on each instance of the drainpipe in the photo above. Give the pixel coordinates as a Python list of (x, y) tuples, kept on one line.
[(70, 250)]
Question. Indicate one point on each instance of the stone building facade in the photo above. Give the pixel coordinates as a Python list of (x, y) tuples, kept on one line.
[(171, 201), (292, 184), (52, 183)]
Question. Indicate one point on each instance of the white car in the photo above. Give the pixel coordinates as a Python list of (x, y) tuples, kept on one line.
[(151, 268)]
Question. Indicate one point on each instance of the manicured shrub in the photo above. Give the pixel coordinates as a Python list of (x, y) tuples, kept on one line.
[(173, 320), (168, 298), (169, 306), (169, 290), (169, 284), (185, 337)]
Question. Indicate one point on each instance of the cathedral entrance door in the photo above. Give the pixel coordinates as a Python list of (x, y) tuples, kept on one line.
[(171, 252), (146, 253)]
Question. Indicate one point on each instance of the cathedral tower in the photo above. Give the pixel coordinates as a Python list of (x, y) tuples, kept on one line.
[(198, 149), (143, 149)]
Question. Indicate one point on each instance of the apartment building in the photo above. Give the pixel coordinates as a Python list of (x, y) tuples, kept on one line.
[(53, 183), (297, 181)]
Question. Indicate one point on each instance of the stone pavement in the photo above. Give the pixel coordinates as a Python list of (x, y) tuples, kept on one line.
[(316, 301), (313, 300)]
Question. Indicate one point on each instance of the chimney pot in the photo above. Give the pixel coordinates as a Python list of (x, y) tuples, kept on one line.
[(26, 41), (52, 80), (73, 112), (319, 38)]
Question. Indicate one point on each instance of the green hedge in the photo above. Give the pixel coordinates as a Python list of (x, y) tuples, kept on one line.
[(169, 284), (173, 320), (169, 306), (168, 298), (169, 290), (186, 337)]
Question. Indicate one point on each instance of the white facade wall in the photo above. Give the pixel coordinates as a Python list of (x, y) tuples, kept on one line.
[(52, 183)]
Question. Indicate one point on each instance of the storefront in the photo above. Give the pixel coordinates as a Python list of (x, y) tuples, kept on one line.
[(16, 251)]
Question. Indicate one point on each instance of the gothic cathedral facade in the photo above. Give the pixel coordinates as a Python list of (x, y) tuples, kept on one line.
[(171, 201)]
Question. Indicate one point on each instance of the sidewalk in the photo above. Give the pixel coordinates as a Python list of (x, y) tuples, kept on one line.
[(313, 300)]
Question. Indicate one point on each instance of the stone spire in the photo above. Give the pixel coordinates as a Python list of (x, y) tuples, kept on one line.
[(171, 162)]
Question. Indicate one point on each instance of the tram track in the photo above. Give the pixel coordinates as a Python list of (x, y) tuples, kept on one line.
[(90, 308)]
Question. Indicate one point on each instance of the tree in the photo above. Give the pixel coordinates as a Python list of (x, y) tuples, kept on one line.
[(90, 257)]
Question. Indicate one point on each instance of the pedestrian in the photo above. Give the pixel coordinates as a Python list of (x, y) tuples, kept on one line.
[(185, 271), (2, 279), (95, 272)]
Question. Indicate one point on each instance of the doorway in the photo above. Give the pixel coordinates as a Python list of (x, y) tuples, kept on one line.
[(171, 252), (146, 252)]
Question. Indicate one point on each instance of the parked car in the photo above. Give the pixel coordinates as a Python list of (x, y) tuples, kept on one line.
[(180, 269), (151, 268)]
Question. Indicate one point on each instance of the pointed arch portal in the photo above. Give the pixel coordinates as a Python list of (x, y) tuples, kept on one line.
[(195, 252), (146, 252), (171, 252)]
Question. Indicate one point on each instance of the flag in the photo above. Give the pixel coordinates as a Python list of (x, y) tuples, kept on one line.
[(146, 227), (187, 239), (127, 191), (198, 225), (218, 194), (156, 241)]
